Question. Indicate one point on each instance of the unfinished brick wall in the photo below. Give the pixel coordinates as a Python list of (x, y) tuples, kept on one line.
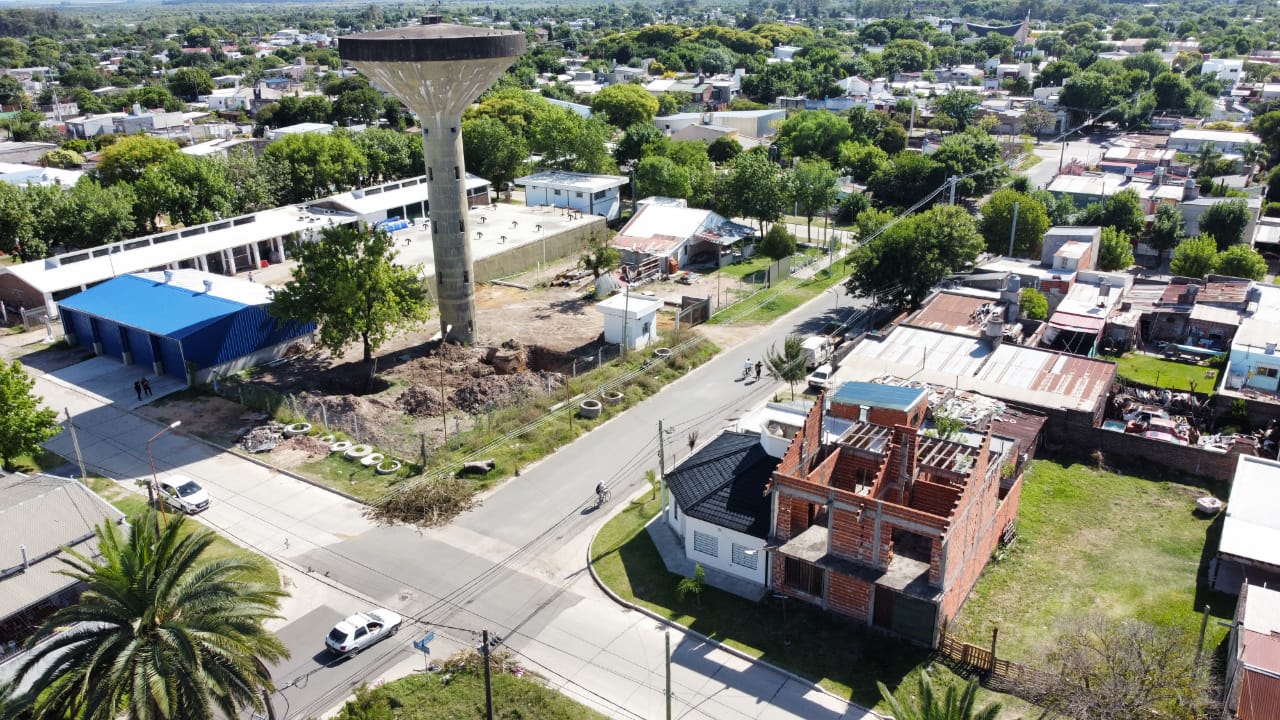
[(853, 533), (850, 596)]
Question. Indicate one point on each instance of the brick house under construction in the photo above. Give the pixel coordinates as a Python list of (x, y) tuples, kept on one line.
[(888, 526)]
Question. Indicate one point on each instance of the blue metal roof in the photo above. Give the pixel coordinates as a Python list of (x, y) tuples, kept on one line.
[(890, 397), (152, 306)]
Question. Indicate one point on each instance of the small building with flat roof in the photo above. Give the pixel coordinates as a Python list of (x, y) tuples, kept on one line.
[(630, 318), (589, 194), (299, 129), (1249, 549)]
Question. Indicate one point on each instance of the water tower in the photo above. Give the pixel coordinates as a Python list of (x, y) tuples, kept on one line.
[(437, 70)]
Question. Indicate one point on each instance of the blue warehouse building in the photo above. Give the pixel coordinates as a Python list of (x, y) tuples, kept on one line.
[(186, 324)]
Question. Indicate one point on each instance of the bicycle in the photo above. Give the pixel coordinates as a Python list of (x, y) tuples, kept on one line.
[(602, 497)]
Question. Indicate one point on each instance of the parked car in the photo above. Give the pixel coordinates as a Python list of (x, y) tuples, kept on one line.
[(184, 495), (820, 378), (361, 630)]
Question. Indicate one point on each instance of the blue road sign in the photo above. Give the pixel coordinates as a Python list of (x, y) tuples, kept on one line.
[(424, 642)]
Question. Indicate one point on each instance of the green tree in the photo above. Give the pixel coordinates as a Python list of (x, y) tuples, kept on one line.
[(973, 156), (997, 223), (1207, 158), (20, 234), (189, 190), (90, 215), (1122, 211), (1241, 261), (1173, 92), (315, 164), (625, 104), (640, 141), (567, 141), (787, 365), (348, 281), (24, 424), (1036, 120), (1194, 257), (1267, 127), (861, 160), (190, 83), (907, 175), (812, 186), (1226, 222), (1167, 229), (62, 158), (392, 154), (661, 176), (128, 157), (600, 257), (358, 107), (813, 134), (960, 106), (926, 705), (493, 151), (778, 243), (1254, 155), (893, 139), (723, 149), (751, 188), (161, 631), (1035, 306), (1114, 252), (369, 704), (902, 265)]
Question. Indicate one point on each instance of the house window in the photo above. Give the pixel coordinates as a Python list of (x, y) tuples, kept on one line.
[(600, 195), (1267, 372), (578, 195), (706, 544), (802, 576), (557, 193), (740, 557)]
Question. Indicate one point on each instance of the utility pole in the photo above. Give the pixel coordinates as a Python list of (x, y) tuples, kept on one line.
[(1013, 230), (662, 465), (75, 443), (667, 635), (488, 684), (953, 189)]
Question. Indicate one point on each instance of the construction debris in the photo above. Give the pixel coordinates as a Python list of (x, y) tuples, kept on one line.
[(263, 438)]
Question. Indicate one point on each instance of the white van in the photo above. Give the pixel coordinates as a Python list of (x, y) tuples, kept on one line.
[(816, 351)]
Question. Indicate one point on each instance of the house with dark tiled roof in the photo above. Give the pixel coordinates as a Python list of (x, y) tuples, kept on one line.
[(718, 506)]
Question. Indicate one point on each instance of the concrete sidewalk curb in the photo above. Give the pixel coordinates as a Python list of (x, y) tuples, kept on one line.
[(731, 650)]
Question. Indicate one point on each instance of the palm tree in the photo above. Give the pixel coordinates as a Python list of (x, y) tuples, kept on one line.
[(788, 365), (1206, 158), (158, 633), (928, 706), (1253, 154)]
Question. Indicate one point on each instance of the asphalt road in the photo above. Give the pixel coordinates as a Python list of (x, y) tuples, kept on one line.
[(1088, 151), (511, 565)]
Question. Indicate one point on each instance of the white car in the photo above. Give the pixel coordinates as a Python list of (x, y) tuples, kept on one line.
[(183, 494), (361, 630), (820, 378)]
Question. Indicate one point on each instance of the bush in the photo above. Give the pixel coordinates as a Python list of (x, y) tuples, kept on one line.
[(777, 243)]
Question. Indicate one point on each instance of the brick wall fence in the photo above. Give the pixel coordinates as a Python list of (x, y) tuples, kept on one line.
[(520, 258)]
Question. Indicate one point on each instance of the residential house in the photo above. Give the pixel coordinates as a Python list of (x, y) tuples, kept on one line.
[(1190, 140), (750, 123), (677, 235), (91, 126), (1252, 687), (1193, 208), (886, 525), (42, 516), (1226, 70), (299, 129), (1253, 363)]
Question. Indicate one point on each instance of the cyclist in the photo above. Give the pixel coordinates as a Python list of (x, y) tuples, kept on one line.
[(599, 494)]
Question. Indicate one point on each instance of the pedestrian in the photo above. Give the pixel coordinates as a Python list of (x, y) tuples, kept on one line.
[(137, 388), (146, 387), (759, 367), (746, 368), (250, 276)]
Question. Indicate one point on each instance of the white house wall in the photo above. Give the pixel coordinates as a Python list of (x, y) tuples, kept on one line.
[(725, 542)]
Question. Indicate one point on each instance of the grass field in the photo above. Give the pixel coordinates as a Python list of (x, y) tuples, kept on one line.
[(1158, 372), (1095, 542)]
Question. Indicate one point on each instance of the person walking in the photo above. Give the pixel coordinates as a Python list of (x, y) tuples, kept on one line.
[(137, 388), (759, 367), (146, 387)]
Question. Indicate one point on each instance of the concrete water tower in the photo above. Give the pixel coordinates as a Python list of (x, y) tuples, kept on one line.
[(437, 70)]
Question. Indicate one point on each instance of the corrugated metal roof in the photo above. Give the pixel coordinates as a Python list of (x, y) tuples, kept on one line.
[(1251, 528), (43, 513), (1259, 696), (724, 482), (891, 397), (152, 306)]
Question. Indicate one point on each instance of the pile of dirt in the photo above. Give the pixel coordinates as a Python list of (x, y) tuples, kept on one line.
[(421, 401), (500, 391)]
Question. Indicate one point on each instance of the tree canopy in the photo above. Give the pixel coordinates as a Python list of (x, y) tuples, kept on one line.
[(997, 223), (1226, 222), (24, 424), (812, 188), (1241, 261), (752, 187), (903, 264), (625, 104), (128, 157), (347, 280), (1194, 257), (1114, 252)]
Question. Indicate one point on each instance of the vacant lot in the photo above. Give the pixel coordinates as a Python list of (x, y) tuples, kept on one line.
[(1158, 372), (1096, 542)]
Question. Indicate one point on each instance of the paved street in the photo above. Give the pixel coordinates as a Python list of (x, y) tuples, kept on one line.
[(1088, 151), (515, 565)]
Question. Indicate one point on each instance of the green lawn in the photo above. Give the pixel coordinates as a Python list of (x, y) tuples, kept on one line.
[(782, 299), (1093, 542), (458, 694), (1158, 372), (132, 504), (844, 658), (39, 461)]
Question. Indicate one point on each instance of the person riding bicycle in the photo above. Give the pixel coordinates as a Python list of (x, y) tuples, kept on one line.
[(600, 490), (746, 368)]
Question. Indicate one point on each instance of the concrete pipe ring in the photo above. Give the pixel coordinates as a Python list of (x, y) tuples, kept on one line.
[(662, 353), (590, 408), (371, 459), (387, 467), (356, 452), (297, 429), (340, 447), (613, 397)]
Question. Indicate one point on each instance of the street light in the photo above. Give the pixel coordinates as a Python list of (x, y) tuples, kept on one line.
[(836, 292), (151, 489)]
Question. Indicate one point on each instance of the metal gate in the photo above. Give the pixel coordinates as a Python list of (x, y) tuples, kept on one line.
[(905, 615), (140, 345), (171, 358)]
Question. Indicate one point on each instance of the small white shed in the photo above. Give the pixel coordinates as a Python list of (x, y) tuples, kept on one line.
[(631, 315)]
